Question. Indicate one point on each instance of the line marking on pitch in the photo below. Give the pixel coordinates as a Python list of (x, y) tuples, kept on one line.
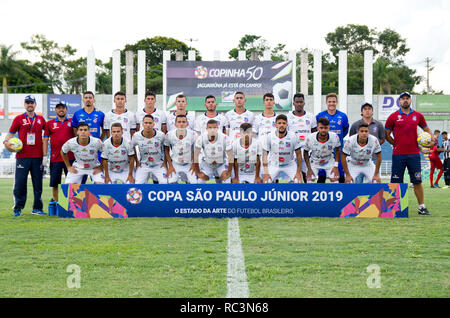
[(237, 286)]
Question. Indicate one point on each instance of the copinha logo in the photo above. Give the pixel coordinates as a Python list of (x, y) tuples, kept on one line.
[(201, 72)]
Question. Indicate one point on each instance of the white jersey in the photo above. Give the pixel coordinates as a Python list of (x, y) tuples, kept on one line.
[(202, 120), (322, 153), (235, 121), (361, 155), (190, 116), (118, 156), (281, 150), (301, 125), (181, 150), (214, 153), (86, 157), (126, 119), (159, 117), (151, 150), (247, 157), (264, 125)]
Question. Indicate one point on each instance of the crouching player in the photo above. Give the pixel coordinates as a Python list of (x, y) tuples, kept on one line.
[(357, 156), (216, 147), (247, 157), (282, 153), (179, 152), (150, 143), (118, 157), (322, 144), (86, 150)]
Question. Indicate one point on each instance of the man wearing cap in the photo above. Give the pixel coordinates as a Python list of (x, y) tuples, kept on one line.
[(406, 154), (29, 127), (376, 129), (59, 130)]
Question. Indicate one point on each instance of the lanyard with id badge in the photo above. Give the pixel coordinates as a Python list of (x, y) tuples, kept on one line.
[(31, 136)]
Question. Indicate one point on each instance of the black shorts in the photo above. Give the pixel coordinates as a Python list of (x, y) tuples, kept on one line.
[(56, 170), (401, 162)]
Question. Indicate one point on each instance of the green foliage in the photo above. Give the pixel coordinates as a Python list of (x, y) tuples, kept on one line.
[(255, 43)]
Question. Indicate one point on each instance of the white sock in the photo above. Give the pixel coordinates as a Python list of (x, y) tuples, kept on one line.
[(422, 206)]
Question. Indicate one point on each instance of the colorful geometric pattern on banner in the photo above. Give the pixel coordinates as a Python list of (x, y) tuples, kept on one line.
[(198, 79), (233, 200)]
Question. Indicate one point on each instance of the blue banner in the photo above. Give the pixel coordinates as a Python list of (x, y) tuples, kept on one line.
[(233, 200), (73, 103)]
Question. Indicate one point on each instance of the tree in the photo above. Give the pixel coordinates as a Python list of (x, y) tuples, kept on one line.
[(9, 66), (353, 38), (255, 43)]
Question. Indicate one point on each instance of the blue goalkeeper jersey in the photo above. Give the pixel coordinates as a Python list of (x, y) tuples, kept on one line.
[(338, 123)]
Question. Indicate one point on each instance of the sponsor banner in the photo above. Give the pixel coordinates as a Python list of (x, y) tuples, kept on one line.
[(434, 105), (72, 101), (198, 79), (388, 105), (16, 104), (233, 200)]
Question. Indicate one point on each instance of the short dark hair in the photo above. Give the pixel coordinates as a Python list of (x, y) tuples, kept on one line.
[(444, 133), (150, 94), (180, 96), (148, 116), (180, 116), (209, 96), (268, 95), (324, 121), (298, 95), (437, 131), (117, 125), (88, 92), (281, 117), (211, 122), (119, 93), (363, 125), (330, 95), (245, 126), (241, 93), (83, 124)]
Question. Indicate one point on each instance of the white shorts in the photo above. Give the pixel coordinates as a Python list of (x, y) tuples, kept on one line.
[(328, 171), (75, 178), (367, 171), (182, 172), (214, 170), (290, 170), (143, 173), (119, 176), (247, 178)]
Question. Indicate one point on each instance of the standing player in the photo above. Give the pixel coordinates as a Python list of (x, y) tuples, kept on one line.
[(435, 161), (446, 150), (179, 152), (120, 115), (338, 124), (86, 150), (59, 130), (265, 122), (302, 124), (320, 147), (159, 117), (216, 147), (247, 157), (150, 143), (403, 124), (29, 126), (239, 115), (359, 150), (211, 113), (89, 115), (180, 104), (118, 157), (282, 153)]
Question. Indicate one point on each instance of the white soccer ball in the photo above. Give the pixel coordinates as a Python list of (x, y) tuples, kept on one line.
[(16, 144), (424, 138), (283, 95)]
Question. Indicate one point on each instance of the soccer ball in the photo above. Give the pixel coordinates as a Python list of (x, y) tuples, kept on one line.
[(201, 72), (424, 138), (283, 95), (134, 196), (16, 144)]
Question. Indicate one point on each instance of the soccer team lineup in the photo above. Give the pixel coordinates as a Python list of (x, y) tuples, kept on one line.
[(237, 146)]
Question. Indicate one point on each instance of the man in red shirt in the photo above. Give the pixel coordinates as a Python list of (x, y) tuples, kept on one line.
[(59, 130), (406, 154), (435, 161), (29, 126)]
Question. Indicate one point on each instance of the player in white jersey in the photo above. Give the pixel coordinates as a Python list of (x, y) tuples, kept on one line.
[(150, 143), (159, 116), (121, 115), (302, 124), (247, 157), (265, 122), (211, 113), (180, 104), (281, 153), (216, 148), (320, 146), (239, 115), (85, 149), (118, 157), (179, 152), (357, 156)]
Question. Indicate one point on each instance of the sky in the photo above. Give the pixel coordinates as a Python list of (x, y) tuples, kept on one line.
[(219, 25)]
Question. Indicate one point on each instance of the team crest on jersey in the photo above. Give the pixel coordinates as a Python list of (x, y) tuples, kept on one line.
[(156, 119), (95, 120), (91, 152), (39, 121), (307, 122), (156, 144), (368, 151), (123, 152), (330, 147), (288, 144), (55, 125), (339, 122), (414, 118)]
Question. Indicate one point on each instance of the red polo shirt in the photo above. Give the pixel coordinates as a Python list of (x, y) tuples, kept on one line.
[(404, 128), (24, 125), (59, 132)]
